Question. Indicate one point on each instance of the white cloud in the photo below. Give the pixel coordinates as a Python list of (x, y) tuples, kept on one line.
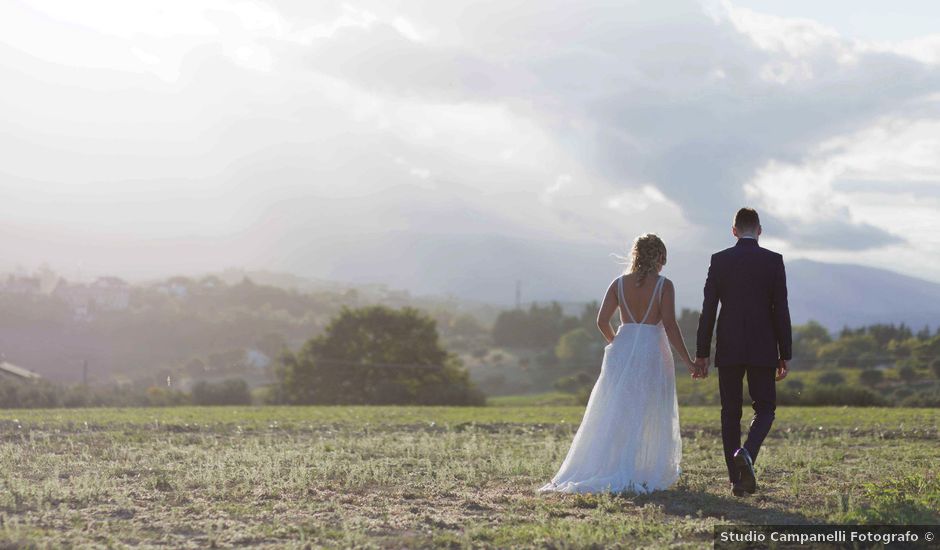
[(794, 37), (886, 175)]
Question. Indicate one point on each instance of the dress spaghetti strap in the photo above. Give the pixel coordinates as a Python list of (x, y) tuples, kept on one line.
[(659, 286), (623, 300)]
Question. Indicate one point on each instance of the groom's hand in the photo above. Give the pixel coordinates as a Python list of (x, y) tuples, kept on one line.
[(782, 370)]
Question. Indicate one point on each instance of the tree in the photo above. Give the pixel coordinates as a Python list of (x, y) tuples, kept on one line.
[(849, 348), (575, 346), (467, 326), (808, 338), (540, 326), (884, 333), (376, 355)]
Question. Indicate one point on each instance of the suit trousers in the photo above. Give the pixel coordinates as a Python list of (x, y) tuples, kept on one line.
[(762, 388)]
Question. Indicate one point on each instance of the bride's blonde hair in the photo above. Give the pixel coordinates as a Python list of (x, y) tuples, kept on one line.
[(647, 254)]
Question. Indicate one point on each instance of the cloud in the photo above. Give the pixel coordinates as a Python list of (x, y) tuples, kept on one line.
[(696, 101), (552, 121)]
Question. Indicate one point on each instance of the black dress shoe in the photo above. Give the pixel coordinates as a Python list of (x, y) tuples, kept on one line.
[(747, 481)]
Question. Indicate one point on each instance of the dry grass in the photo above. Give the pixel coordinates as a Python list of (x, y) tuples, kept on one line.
[(431, 476)]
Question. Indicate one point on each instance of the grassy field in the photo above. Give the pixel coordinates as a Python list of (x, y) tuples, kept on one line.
[(430, 476)]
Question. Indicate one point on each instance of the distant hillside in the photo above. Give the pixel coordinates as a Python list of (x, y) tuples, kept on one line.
[(854, 295), (833, 294)]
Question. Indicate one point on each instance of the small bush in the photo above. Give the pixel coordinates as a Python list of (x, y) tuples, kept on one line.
[(927, 397), (831, 378), (795, 385), (228, 392)]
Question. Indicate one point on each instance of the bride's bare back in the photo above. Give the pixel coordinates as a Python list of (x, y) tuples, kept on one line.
[(638, 299)]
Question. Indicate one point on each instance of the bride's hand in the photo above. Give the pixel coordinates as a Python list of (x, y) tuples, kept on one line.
[(690, 365)]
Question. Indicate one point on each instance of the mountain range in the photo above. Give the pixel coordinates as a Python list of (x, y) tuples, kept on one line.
[(835, 295)]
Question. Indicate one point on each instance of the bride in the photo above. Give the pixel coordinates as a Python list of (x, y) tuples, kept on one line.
[(629, 437)]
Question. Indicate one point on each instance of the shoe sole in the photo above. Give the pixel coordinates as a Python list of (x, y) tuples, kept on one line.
[(747, 480)]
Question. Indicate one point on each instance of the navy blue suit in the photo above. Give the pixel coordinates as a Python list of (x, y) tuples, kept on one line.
[(754, 333)]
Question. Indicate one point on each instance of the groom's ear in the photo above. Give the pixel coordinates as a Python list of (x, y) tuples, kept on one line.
[(758, 230)]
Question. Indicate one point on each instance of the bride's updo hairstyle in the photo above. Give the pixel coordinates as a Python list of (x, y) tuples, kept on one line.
[(647, 255)]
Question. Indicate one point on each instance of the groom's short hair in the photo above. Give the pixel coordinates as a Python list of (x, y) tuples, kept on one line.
[(746, 219)]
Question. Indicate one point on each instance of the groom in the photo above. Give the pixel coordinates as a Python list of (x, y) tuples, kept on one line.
[(754, 340)]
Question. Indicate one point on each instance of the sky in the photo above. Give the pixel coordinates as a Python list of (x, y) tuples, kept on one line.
[(461, 146)]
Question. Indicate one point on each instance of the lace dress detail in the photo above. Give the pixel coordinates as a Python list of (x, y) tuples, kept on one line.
[(629, 438)]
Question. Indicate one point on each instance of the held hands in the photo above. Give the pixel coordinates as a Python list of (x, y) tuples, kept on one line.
[(700, 368), (690, 365)]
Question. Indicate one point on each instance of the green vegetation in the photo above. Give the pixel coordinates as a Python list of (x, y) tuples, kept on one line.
[(877, 365), (429, 476), (371, 355), (376, 355), (182, 331), (199, 328)]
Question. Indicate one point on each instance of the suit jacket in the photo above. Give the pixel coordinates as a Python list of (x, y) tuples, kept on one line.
[(754, 325)]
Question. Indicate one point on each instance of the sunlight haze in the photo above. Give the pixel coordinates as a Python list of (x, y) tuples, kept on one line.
[(455, 147)]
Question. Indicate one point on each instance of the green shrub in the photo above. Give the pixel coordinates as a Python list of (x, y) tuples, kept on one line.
[(831, 378), (913, 499), (573, 383), (795, 385), (926, 397), (29, 394), (907, 373), (44, 394)]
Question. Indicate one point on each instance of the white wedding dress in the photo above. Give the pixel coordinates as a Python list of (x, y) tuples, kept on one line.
[(628, 440)]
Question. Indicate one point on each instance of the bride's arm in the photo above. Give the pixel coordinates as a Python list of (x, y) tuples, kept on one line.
[(608, 307), (671, 325)]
